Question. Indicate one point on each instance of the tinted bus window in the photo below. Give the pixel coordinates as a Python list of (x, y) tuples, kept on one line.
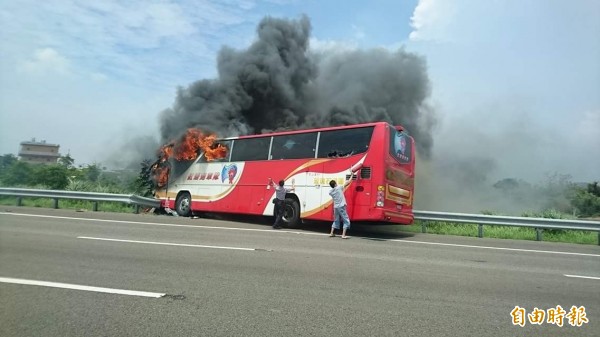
[(250, 149), (400, 146), (344, 143), (296, 146)]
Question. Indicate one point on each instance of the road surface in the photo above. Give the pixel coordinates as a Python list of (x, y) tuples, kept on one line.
[(67, 273)]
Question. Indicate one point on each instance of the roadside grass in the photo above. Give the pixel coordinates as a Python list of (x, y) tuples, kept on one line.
[(443, 228), (504, 232), (103, 206)]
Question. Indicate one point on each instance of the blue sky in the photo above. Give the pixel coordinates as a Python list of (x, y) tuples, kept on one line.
[(514, 81)]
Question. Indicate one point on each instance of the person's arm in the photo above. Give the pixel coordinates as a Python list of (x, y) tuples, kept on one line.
[(349, 180), (272, 183)]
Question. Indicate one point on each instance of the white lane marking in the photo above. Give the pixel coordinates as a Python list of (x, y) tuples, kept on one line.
[(80, 287), (496, 248), (161, 224), (587, 277), (165, 243), (303, 233)]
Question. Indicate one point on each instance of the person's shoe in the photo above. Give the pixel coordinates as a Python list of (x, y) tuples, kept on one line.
[(331, 235), (276, 227), (345, 237)]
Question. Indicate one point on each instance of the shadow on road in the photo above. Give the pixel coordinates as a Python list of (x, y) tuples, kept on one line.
[(368, 231)]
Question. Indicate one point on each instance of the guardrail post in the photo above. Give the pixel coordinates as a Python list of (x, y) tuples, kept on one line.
[(423, 226), (19, 201), (55, 204), (538, 234), (480, 230), (137, 209), (95, 206)]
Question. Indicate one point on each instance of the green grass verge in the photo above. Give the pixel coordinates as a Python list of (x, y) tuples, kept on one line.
[(504, 232), (115, 207), (444, 228)]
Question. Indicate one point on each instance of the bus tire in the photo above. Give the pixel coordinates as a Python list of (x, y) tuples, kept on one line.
[(183, 205), (291, 214)]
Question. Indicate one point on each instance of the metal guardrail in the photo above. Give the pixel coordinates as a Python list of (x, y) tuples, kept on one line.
[(130, 199), (539, 224)]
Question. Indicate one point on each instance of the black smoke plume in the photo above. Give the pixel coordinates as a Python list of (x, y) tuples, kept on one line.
[(278, 83)]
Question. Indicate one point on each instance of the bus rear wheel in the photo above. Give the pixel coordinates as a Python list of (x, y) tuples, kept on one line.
[(291, 213), (183, 205)]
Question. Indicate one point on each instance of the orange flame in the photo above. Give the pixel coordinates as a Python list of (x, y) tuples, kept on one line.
[(193, 142)]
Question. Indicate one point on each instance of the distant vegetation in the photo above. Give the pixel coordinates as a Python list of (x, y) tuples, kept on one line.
[(65, 176), (557, 197)]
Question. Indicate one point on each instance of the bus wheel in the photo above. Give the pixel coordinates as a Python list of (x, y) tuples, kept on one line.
[(183, 205), (291, 214)]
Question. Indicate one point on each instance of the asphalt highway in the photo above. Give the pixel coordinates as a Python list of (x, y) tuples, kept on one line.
[(68, 273)]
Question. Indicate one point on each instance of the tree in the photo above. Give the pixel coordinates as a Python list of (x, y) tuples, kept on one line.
[(18, 173), (587, 201), (66, 161), (7, 161), (144, 185), (92, 172), (55, 176)]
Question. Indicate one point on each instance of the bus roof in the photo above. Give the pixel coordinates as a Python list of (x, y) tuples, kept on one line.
[(341, 127)]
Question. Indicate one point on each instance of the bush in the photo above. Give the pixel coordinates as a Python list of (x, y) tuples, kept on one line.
[(587, 201)]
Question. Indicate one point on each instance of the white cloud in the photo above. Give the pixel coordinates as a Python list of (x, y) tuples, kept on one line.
[(46, 60), (430, 20)]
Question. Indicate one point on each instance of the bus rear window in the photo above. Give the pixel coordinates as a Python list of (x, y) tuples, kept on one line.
[(344, 143), (400, 146)]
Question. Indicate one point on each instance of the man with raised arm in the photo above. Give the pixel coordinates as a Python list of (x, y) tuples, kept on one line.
[(339, 207), (280, 192)]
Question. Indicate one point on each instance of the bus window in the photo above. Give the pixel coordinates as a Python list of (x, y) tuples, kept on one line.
[(344, 143), (296, 146), (226, 144), (400, 146), (250, 149)]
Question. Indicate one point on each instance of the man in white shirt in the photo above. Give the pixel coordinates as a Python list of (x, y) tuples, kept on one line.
[(280, 192), (339, 207)]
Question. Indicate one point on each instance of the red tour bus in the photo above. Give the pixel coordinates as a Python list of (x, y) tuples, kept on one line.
[(378, 157)]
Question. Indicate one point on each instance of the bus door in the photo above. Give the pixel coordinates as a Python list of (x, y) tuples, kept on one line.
[(312, 198)]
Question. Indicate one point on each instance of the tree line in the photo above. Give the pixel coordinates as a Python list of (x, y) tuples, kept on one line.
[(64, 175), (558, 195)]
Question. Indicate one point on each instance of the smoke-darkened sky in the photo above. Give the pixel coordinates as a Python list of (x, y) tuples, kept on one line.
[(278, 83)]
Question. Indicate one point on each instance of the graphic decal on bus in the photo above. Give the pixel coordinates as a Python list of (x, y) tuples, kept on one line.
[(400, 144), (229, 172), (315, 192)]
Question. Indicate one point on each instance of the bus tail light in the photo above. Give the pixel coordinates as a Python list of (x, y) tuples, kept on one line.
[(380, 193)]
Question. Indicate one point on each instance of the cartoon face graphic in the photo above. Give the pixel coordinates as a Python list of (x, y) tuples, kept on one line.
[(229, 172), (400, 144)]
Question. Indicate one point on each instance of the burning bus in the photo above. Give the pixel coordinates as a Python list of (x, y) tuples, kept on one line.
[(231, 175)]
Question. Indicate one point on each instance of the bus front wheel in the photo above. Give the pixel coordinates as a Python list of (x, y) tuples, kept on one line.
[(291, 214), (183, 205)]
